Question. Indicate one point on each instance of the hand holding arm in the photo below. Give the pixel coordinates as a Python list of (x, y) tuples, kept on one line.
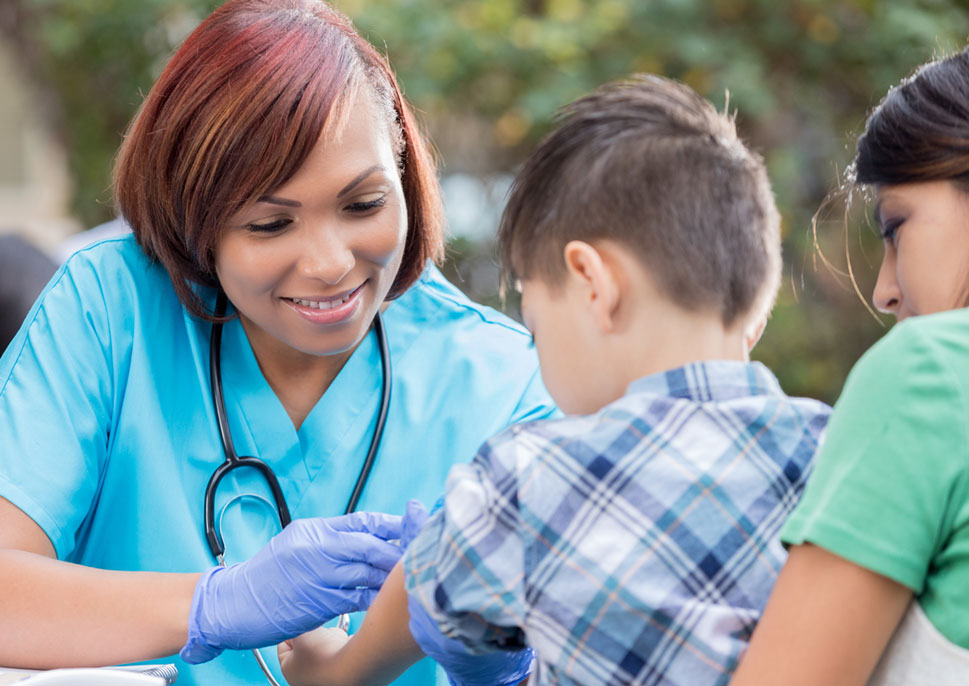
[(463, 668), (384, 647), (498, 668), (314, 570), (378, 652)]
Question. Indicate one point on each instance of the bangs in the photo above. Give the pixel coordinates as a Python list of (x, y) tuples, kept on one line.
[(234, 115), (278, 85)]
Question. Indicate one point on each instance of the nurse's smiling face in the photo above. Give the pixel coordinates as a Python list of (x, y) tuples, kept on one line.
[(308, 266), (925, 228)]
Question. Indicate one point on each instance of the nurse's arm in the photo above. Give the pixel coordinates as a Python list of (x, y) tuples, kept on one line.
[(828, 621), (376, 654), (57, 614)]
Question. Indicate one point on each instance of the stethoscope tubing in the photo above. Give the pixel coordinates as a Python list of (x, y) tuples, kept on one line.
[(233, 461), (385, 389)]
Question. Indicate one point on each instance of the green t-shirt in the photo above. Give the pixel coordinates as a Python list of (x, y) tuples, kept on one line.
[(890, 488)]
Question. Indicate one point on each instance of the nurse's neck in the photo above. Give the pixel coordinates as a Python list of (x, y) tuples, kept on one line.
[(298, 379)]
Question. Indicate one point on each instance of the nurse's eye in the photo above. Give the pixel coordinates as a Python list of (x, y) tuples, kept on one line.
[(269, 227), (367, 206)]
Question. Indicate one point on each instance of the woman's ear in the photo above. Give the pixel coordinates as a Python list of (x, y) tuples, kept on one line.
[(594, 280)]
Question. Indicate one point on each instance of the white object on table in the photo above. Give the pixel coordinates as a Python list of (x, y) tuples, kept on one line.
[(77, 677)]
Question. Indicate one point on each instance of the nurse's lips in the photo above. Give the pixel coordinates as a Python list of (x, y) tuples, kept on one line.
[(330, 309)]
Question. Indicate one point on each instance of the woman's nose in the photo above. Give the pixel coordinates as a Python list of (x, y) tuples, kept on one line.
[(327, 255), (887, 296)]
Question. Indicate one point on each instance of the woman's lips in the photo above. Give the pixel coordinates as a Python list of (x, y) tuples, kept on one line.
[(333, 310)]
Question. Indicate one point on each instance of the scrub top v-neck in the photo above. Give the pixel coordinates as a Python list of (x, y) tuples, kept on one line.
[(108, 435)]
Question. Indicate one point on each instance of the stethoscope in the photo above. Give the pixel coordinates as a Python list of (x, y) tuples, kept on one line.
[(234, 461)]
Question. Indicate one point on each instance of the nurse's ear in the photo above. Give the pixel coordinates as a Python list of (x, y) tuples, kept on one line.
[(591, 274)]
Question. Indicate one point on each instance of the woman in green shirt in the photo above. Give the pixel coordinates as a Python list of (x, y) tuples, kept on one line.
[(876, 588)]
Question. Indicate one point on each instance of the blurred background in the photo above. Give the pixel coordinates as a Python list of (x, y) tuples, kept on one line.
[(486, 77)]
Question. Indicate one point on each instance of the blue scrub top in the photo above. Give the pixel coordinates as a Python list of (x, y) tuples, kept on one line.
[(108, 435)]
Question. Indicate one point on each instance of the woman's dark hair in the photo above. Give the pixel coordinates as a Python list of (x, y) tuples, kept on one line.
[(235, 114), (920, 130)]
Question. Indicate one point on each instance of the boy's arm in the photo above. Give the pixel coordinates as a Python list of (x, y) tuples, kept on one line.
[(384, 646), (376, 654)]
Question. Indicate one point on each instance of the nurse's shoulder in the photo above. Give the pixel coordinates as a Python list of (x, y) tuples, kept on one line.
[(112, 261), (100, 259), (435, 297), (98, 294)]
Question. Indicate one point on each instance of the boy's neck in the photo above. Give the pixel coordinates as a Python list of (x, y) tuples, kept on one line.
[(627, 327), (663, 336)]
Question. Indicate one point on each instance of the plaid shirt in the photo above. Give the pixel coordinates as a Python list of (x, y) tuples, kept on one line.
[(635, 546)]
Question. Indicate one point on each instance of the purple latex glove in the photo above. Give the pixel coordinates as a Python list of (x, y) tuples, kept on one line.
[(415, 517), (312, 571), (498, 668)]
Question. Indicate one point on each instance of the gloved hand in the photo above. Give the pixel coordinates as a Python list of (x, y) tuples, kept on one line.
[(415, 517), (312, 571), (499, 668)]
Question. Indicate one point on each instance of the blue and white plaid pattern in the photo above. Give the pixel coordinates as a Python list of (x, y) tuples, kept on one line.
[(635, 546)]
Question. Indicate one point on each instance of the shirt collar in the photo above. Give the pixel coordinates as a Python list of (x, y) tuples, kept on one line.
[(711, 380)]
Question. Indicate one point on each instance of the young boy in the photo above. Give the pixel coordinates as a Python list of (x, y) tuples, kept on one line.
[(634, 542)]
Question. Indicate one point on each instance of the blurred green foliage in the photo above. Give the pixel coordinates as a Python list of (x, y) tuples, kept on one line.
[(487, 75), (92, 61)]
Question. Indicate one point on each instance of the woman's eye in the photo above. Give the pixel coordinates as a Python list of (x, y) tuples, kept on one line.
[(367, 206), (269, 227), (890, 230)]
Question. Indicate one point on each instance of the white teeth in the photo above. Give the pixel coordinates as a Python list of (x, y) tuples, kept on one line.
[(321, 304)]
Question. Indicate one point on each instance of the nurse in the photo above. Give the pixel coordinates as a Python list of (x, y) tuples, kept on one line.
[(276, 163)]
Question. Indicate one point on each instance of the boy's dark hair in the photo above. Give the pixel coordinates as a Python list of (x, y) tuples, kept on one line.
[(651, 165)]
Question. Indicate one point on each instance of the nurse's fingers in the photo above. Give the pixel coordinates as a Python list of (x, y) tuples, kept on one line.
[(415, 518), (355, 547), (354, 576), (355, 600), (378, 524)]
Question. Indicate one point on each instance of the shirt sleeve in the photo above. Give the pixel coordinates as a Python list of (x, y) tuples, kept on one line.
[(55, 405), (466, 567), (891, 472)]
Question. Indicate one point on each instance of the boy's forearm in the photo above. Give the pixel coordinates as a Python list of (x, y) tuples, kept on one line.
[(383, 647)]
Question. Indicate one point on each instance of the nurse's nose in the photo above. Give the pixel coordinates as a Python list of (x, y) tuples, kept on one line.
[(327, 255), (887, 296)]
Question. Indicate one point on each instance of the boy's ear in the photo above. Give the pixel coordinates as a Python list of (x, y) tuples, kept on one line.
[(753, 334), (596, 280)]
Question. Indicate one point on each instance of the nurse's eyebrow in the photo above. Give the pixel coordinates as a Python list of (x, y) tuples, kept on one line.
[(877, 214), (273, 200), (359, 179)]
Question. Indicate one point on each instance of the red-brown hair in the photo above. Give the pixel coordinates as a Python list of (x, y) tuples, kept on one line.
[(235, 114)]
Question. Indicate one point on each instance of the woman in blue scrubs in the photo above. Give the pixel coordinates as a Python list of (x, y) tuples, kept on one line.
[(275, 162)]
